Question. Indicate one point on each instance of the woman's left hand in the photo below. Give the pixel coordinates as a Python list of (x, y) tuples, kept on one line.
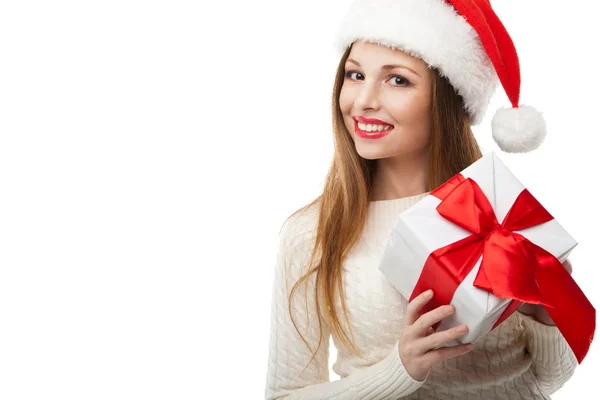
[(538, 311)]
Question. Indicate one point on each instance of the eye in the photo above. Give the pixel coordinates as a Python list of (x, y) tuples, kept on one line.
[(348, 74), (400, 80)]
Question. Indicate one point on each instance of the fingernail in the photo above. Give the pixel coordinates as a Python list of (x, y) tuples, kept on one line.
[(470, 346), (429, 293), (448, 309)]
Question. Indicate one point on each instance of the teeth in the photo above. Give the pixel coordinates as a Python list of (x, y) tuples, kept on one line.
[(373, 127)]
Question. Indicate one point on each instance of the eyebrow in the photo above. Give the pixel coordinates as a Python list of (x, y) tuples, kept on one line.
[(388, 66)]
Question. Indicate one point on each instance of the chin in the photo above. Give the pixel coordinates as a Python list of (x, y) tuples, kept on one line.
[(370, 154)]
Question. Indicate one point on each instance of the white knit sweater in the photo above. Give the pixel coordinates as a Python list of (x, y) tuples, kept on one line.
[(520, 359)]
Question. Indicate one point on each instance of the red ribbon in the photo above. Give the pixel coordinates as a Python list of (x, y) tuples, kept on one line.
[(512, 266)]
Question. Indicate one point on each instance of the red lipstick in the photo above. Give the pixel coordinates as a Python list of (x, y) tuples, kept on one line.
[(370, 120), (370, 135)]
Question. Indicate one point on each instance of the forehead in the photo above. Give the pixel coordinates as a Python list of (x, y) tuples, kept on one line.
[(375, 53)]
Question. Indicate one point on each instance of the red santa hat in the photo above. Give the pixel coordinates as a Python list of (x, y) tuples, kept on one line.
[(466, 41)]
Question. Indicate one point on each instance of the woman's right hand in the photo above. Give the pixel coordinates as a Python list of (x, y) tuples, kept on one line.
[(419, 339)]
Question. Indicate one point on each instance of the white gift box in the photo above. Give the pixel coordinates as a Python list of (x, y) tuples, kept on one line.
[(420, 230)]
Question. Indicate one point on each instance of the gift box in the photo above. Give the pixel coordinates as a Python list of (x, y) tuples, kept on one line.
[(485, 245)]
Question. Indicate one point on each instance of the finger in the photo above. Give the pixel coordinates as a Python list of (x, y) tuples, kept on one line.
[(432, 317), (568, 266), (435, 356), (527, 309), (412, 311), (423, 345)]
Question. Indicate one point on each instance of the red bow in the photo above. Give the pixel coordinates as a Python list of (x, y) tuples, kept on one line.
[(512, 266)]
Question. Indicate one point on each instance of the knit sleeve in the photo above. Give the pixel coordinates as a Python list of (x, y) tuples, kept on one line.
[(288, 354), (553, 361)]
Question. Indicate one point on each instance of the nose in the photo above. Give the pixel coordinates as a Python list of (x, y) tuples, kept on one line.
[(367, 96)]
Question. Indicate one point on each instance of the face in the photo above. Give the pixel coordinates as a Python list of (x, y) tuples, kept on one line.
[(398, 98)]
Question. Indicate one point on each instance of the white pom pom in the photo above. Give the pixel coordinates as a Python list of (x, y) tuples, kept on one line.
[(518, 130)]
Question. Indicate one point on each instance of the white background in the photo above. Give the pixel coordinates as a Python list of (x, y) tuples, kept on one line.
[(150, 152)]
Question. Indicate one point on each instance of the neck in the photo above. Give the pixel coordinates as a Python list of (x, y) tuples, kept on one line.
[(401, 176)]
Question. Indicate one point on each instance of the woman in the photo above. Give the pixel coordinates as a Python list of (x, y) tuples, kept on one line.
[(402, 114)]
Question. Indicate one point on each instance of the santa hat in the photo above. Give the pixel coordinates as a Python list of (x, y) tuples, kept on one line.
[(466, 41)]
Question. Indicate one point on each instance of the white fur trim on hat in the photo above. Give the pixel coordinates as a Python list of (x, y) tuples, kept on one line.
[(518, 130), (433, 31)]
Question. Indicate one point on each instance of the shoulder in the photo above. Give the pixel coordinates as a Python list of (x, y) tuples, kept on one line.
[(301, 225), (298, 232)]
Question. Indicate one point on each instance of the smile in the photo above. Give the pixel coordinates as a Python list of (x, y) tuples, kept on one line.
[(370, 132)]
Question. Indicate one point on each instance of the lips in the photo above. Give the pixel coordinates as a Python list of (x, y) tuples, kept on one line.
[(365, 120), (370, 135)]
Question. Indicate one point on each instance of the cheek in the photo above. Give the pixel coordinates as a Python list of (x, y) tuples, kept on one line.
[(413, 122), (425, 112), (346, 101), (414, 112)]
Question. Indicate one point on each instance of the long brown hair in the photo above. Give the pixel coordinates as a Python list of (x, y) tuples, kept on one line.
[(345, 199)]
